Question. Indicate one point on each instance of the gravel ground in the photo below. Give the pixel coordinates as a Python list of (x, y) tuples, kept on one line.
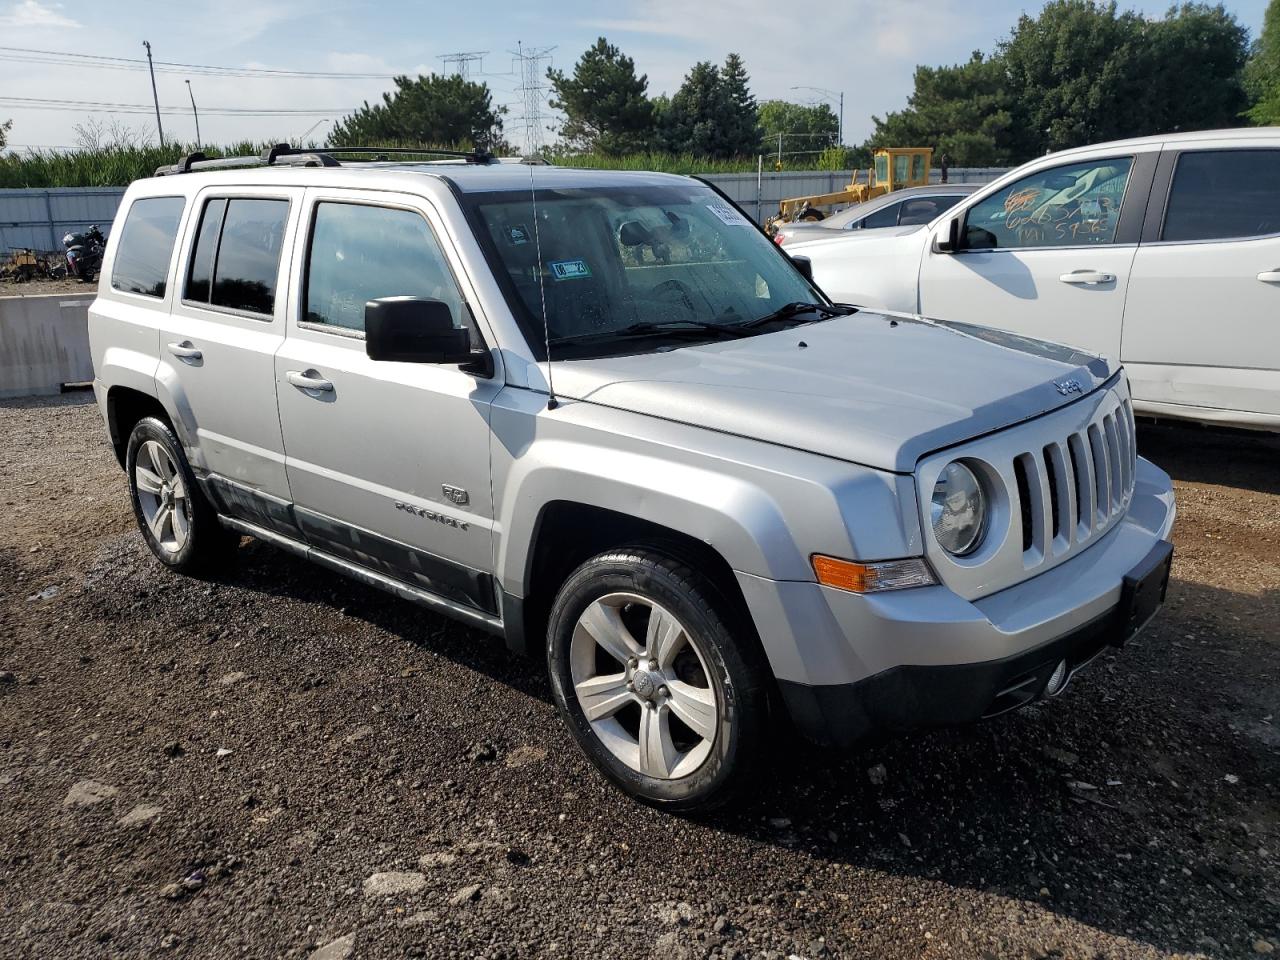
[(283, 763), (36, 288)]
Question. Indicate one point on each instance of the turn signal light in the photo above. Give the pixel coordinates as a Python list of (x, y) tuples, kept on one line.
[(872, 577)]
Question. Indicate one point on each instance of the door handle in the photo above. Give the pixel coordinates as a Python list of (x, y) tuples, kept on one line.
[(185, 350), (1269, 276), (1087, 277), (309, 380)]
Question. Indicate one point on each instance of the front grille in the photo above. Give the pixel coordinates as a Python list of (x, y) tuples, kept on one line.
[(1075, 487)]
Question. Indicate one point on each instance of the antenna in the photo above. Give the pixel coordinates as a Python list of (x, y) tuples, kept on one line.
[(552, 403)]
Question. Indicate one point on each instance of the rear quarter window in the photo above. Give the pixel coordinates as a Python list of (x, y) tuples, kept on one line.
[(146, 246)]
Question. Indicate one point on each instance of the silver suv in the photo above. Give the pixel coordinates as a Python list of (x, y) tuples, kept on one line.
[(602, 415)]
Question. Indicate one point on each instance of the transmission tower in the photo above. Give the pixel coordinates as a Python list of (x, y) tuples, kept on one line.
[(532, 92), (459, 64)]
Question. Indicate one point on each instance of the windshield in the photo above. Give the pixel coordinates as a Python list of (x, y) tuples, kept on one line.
[(618, 261)]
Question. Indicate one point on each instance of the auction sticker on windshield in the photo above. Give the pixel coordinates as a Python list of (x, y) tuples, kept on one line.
[(569, 269), (727, 214)]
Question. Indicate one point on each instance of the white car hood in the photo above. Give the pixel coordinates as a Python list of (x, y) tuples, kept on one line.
[(870, 388)]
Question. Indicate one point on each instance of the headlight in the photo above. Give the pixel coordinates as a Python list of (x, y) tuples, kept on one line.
[(959, 510)]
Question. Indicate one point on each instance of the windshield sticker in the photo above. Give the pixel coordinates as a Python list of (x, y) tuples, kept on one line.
[(517, 234), (569, 269), (727, 214)]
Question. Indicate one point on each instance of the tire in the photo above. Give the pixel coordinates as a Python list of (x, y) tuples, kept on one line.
[(707, 674), (179, 525)]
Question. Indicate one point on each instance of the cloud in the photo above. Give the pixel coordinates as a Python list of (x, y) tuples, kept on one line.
[(32, 13)]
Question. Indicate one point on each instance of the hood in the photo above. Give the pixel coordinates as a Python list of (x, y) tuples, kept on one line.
[(876, 389)]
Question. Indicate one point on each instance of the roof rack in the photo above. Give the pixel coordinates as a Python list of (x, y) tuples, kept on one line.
[(283, 153)]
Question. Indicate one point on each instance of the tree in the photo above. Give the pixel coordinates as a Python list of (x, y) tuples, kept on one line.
[(429, 110), (741, 117), (1196, 41), (4, 133), (962, 111), (1262, 74), (605, 103), (803, 129)]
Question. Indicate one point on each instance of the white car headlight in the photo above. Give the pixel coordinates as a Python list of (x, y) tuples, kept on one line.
[(958, 510)]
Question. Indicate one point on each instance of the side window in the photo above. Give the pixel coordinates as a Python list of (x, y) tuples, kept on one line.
[(360, 253), (236, 258), (1219, 194), (1068, 206), (884, 217), (146, 245)]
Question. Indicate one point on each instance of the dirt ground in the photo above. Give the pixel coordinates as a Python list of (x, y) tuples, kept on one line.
[(35, 288), (283, 763)]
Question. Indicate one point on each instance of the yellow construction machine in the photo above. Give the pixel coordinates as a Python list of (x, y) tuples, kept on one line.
[(893, 169)]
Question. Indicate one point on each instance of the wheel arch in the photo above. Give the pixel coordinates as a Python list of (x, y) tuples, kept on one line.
[(125, 407)]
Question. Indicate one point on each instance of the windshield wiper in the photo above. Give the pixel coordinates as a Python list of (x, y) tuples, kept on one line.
[(793, 311), (726, 331)]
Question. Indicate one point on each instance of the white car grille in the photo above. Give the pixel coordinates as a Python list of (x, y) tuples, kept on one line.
[(1055, 486)]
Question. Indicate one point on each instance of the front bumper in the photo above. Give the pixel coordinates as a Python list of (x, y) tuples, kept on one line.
[(850, 664)]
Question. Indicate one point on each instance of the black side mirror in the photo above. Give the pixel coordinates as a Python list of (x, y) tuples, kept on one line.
[(414, 330), (805, 266), (950, 241), (633, 233)]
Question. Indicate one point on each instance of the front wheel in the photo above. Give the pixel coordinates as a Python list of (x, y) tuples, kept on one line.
[(660, 691)]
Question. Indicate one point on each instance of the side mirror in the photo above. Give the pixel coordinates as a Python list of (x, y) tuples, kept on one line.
[(414, 330), (633, 233), (946, 238), (805, 266)]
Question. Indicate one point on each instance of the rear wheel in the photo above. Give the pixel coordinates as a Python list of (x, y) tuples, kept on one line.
[(179, 525), (652, 680)]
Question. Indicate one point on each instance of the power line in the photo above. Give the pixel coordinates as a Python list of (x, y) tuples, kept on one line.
[(65, 58), (95, 106)]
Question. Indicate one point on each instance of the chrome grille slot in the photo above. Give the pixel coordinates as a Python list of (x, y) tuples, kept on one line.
[(1074, 488)]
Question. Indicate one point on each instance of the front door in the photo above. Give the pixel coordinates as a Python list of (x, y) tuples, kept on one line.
[(1202, 324), (388, 462), (1045, 256)]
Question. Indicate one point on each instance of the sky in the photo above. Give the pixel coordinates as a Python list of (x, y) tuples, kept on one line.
[(866, 48)]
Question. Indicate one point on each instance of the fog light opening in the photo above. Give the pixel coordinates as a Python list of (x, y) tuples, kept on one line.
[(1057, 680)]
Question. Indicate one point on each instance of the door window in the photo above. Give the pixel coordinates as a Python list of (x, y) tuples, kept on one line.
[(886, 216), (1069, 206), (146, 246), (1220, 194), (360, 253), (236, 258)]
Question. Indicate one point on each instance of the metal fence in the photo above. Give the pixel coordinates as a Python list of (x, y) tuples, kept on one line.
[(39, 218)]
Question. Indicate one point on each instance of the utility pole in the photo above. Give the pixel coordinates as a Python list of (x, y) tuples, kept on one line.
[(154, 96), (193, 112)]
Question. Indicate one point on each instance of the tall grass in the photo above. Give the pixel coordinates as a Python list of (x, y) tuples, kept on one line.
[(119, 165)]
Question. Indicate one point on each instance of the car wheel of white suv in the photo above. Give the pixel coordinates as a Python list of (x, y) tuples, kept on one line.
[(178, 523), (654, 685)]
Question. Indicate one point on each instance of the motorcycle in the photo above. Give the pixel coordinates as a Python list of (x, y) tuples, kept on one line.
[(84, 253)]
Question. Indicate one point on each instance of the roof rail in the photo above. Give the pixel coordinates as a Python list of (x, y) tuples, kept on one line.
[(283, 153)]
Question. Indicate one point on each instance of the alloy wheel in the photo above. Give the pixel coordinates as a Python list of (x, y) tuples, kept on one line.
[(650, 701), (162, 496)]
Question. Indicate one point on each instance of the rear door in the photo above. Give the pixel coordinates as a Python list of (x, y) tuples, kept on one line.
[(1202, 323), (1047, 255), (218, 345), (388, 462)]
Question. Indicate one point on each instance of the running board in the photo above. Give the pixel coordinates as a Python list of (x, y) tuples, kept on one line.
[(365, 575)]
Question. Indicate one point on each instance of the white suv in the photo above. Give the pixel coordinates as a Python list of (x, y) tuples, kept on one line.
[(1163, 253), (603, 416)]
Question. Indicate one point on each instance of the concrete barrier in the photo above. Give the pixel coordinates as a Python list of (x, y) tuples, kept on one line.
[(44, 343)]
